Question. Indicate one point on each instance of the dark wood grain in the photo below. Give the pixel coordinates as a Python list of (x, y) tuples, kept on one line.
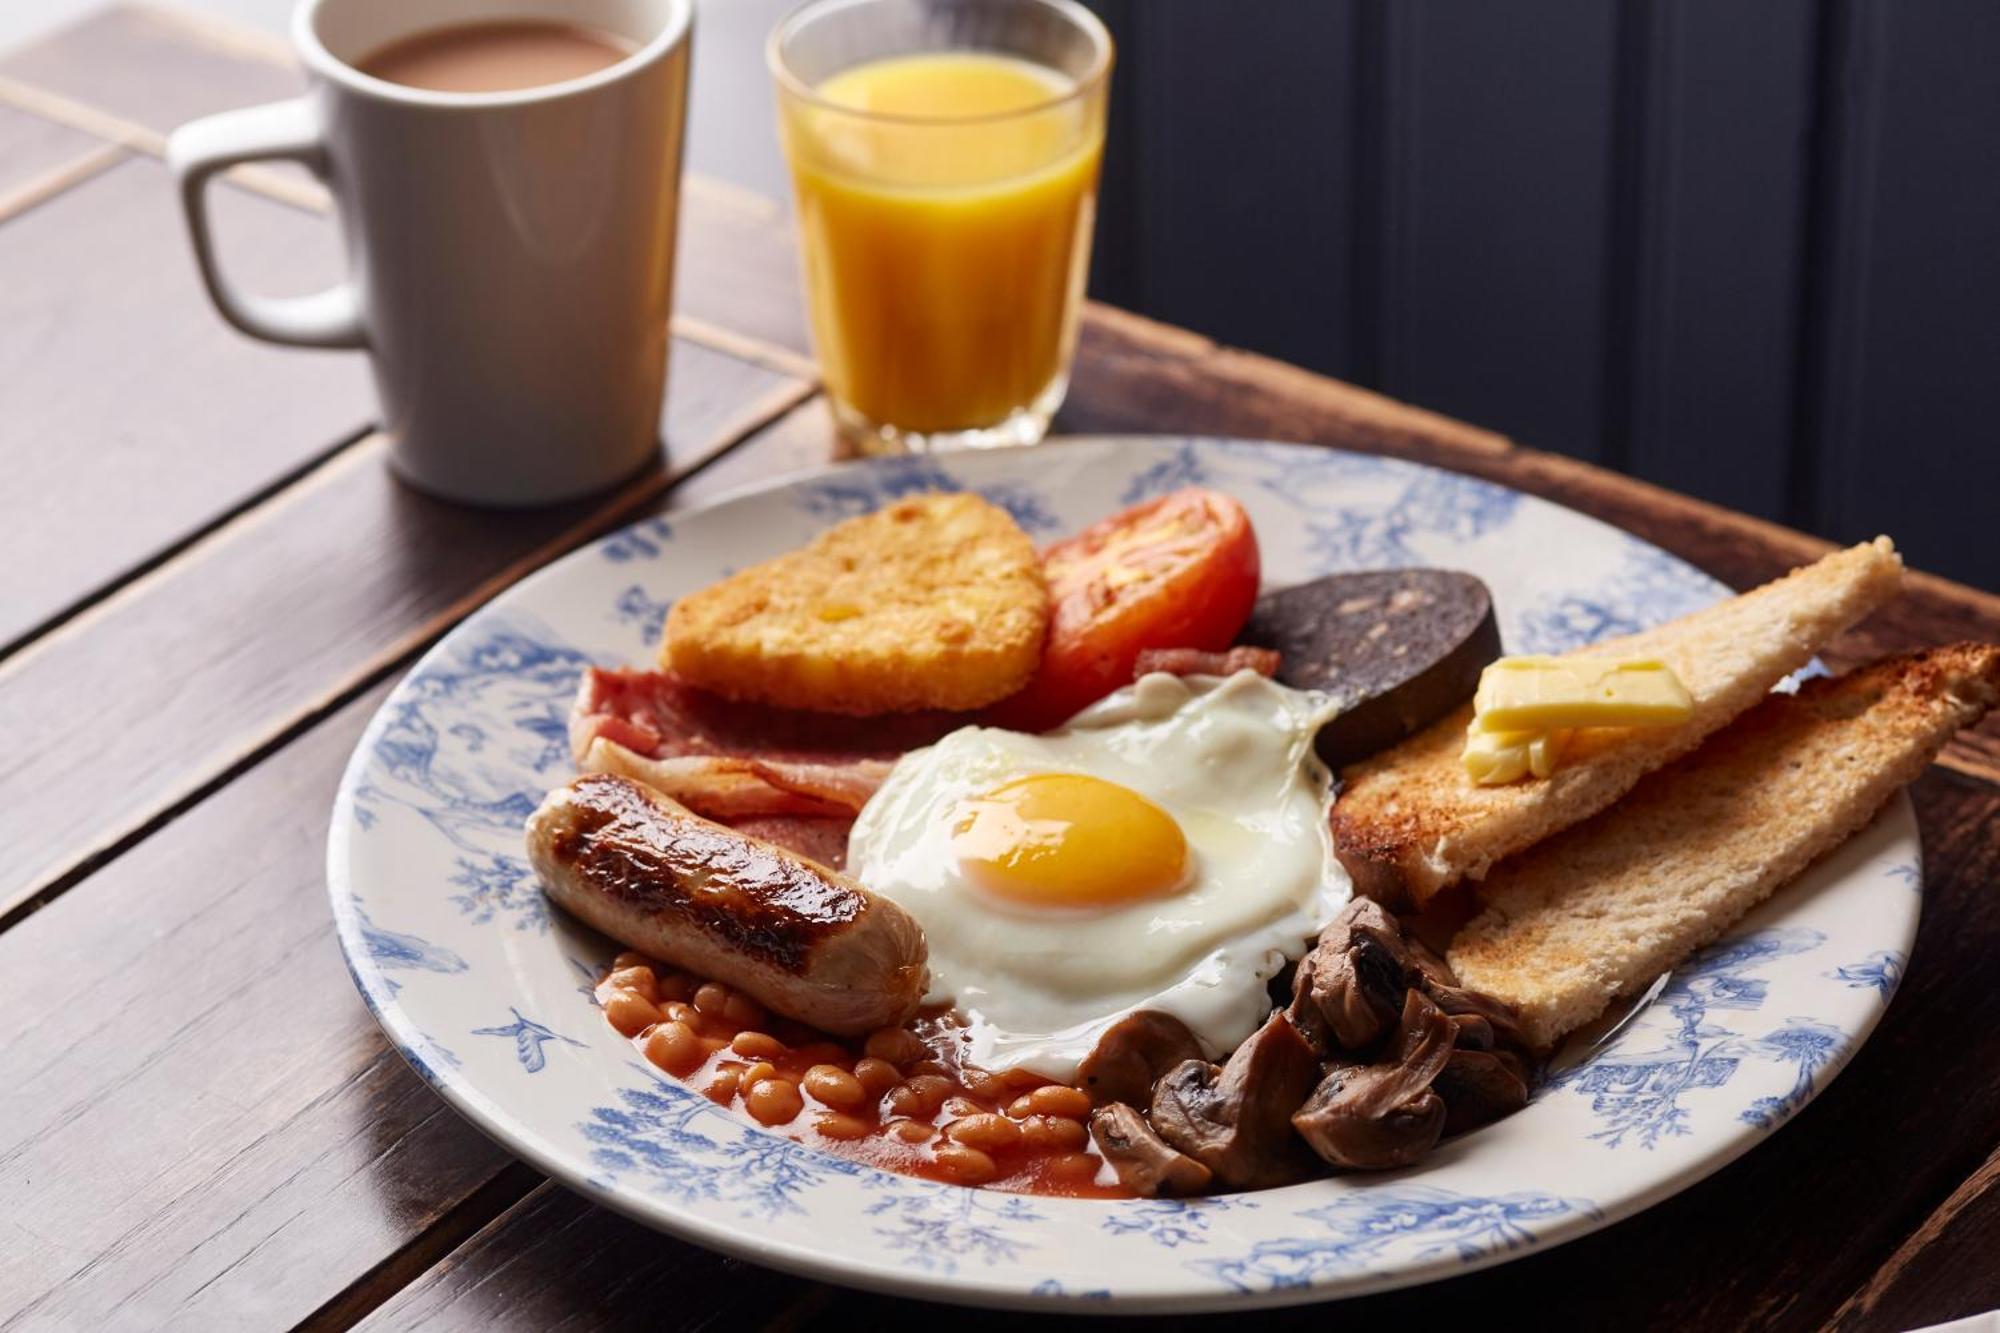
[(200, 1123), (1944, 1271), (270, 1158), (135, 416), (279, 611), (554, 1262)]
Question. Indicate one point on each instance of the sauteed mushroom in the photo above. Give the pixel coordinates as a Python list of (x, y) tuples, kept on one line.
[(1349, 989), (1237, 1119), (1145, 1164), (1479, 1087), (1132, 1054), (1375, 1116)]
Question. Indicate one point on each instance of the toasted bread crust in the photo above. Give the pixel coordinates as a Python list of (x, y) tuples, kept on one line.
[(1600, 910), (935, 601), (1410, 822)]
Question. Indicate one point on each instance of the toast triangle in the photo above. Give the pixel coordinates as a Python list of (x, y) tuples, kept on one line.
[(1599, 911), (1409, 821)]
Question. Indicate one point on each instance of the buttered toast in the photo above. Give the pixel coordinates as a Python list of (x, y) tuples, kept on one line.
[(1410, 822), (1598, 911)]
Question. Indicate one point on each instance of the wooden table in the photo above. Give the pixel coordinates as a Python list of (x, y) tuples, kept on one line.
[(210, 582)]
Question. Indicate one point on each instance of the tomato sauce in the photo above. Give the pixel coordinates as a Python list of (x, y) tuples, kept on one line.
[(900, 1099)]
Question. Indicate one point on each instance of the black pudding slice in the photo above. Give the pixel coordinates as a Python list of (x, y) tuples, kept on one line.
[(1399, 648)]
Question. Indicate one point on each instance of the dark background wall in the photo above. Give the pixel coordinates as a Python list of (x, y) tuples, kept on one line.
[(1749, 249)]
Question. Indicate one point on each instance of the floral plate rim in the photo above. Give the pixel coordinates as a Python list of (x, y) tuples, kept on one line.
[(1394, 1231)]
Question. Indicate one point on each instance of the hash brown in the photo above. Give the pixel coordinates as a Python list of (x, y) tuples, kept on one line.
[(934, 601)]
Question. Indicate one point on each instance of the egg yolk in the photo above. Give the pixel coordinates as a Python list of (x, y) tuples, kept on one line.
[(1069, 840)]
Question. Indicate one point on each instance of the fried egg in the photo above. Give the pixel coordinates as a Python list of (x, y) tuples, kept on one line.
[(1167, 849)]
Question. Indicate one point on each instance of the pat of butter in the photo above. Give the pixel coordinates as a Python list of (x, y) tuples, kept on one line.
[(1546, 694), (1495, 758)]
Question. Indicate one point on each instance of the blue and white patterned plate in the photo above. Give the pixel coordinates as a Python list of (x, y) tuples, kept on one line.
[(488, 994)]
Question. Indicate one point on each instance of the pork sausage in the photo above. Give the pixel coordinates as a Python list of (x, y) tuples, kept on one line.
[(802, 940)]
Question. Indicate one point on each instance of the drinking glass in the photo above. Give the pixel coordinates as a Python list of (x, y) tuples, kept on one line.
[(945, 247)]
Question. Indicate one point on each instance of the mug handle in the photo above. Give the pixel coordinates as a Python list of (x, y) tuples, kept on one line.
[(290, 131)]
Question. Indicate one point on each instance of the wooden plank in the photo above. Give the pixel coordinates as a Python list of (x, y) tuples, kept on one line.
[(1903, 394), (201, 1126), (555, 1261), (35, 153), (1720, 224), (1944, 1271), (135, 415), (1497, 210), (155, 66), (193, 668), (737, 268)]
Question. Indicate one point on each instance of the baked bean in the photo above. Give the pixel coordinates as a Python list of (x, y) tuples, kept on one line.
[(1057, 1099), (630, 1012), (963, 1106), (968, 1166), (674, 986), (993, 1087), (986, 1132), (639, 980), (710, 997), (773, 1101), (838, 1125), (935, 1068), (758, 1073), (1046, 1133), (728, 1077), (899, 1046), (630, 958), (876, 1075), (743, 1011), (912, 1131), (675, 1048), (835, 1086), (920, 1096), (680, 1011), (824, 1053), (1020, 1108), (757, 1045), (1072, 1166)]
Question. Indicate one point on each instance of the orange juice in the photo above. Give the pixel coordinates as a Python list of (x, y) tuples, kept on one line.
[(945, 202)]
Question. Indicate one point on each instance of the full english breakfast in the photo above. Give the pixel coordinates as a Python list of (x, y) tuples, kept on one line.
[(1092, 871)]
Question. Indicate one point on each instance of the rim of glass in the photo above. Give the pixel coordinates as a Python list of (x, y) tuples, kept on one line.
[(791, 83)]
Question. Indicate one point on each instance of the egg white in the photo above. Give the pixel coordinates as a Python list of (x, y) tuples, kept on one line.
[(1231, 760)]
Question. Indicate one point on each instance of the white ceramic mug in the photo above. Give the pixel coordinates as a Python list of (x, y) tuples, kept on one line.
[(511, 253)]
